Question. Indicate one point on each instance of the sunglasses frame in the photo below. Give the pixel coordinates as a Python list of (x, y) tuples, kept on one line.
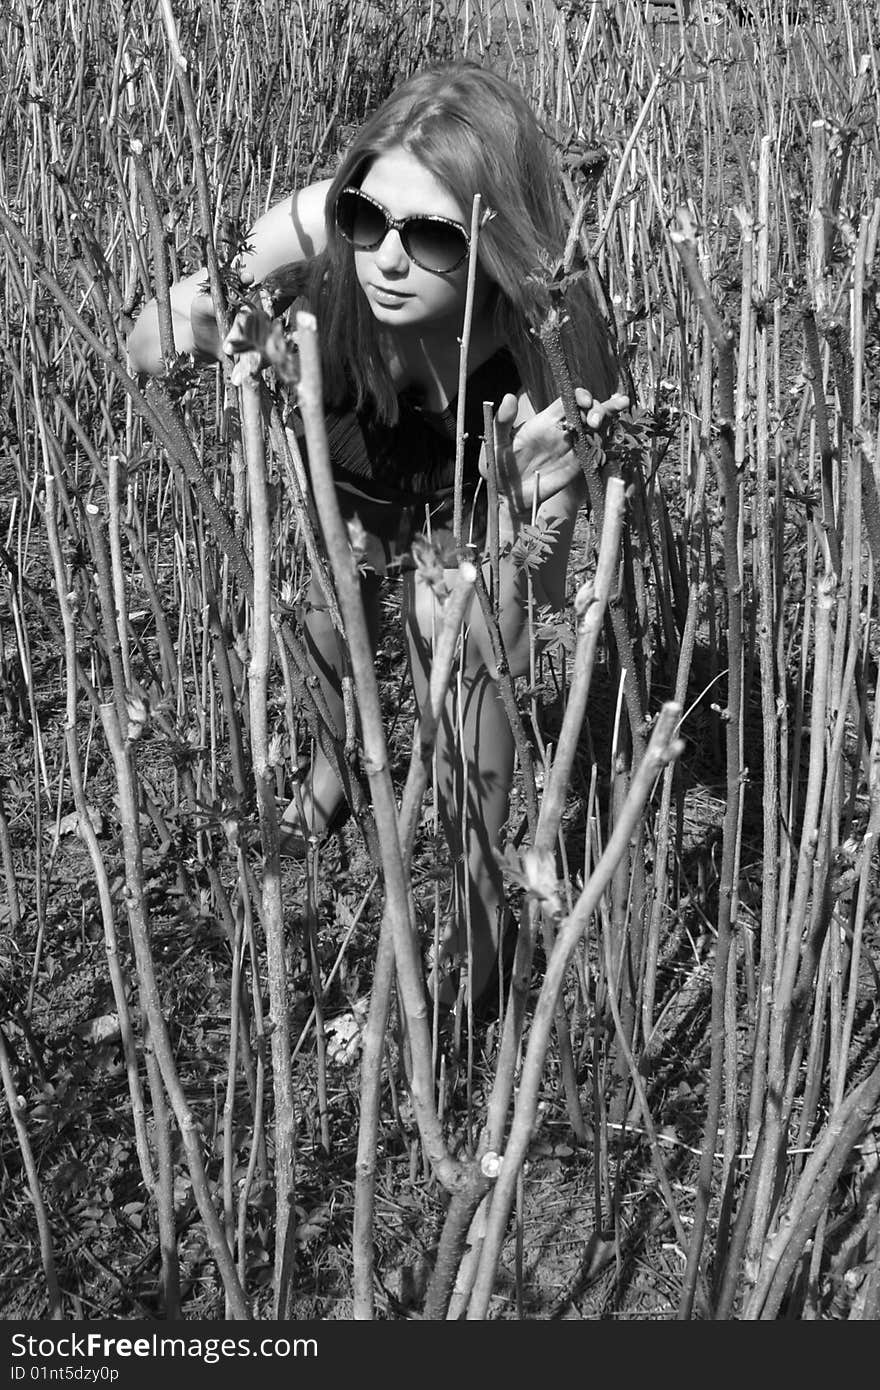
[(399, 225)]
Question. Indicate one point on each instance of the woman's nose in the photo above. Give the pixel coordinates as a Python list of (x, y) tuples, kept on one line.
[(390, 255)]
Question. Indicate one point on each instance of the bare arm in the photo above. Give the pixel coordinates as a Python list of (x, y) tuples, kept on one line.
[(291, 231), (538, 473)]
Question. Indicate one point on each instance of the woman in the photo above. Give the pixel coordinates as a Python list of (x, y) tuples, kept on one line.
[(381, 254)]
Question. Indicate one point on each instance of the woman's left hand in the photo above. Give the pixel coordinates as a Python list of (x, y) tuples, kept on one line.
[(535, 459)]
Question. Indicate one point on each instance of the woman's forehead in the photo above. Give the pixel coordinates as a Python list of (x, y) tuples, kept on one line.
[(407, 187)]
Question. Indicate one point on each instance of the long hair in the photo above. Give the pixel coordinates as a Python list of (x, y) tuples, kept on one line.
[(476, 133)]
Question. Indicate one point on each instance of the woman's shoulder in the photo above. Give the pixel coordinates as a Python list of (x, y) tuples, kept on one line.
[(291, 231)]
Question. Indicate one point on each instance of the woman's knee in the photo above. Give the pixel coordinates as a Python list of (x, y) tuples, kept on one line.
[(477, 657), (318, 605)]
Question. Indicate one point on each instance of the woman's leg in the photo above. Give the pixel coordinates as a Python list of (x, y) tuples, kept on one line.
[(475, 754), (322, 793), (475, 746)]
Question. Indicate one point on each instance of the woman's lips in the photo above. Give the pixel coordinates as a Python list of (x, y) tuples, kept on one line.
[(388, 296)]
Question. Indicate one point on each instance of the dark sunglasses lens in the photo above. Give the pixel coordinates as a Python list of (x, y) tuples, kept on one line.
[(359, 220), (435, 245)]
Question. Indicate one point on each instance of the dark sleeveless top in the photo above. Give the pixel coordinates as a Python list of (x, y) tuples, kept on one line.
[(408, 469), (399, 479)]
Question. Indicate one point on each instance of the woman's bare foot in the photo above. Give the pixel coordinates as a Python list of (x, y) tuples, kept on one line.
[(319, 808), (452, 956)]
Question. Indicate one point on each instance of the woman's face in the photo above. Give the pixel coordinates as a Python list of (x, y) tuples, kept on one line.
[(401, 294)]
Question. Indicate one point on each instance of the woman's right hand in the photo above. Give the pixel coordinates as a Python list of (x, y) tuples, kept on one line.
[(144, 340), (292, 230)]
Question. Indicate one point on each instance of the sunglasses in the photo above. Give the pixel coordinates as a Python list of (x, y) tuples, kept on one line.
[(432, 243)]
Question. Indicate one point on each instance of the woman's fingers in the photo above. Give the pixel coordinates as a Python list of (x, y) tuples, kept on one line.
[(505, 417), (595, 412), (506, 412)]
